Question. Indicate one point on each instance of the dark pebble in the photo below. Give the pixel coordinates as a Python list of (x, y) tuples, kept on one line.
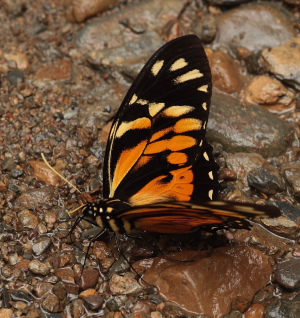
[(15, 77), (288, 274), (283, 309), (265, 180), (15, 173), (93, 302), (21, 296), (8, 164)]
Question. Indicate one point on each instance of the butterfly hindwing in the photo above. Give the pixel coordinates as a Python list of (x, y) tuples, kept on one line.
[(157, 140), (185, 217)]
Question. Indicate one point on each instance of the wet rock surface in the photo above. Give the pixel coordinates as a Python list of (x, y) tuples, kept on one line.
[(63, 73)]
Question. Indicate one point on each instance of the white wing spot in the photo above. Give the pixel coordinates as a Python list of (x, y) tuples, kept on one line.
[(142, 102), (176, 111), (205, 155), (133, 99), (157, 67), (204, 125), (177, 65), (191, 75), (211, 176), (155, 108), (210, 194), (203, 88), (204, 106)]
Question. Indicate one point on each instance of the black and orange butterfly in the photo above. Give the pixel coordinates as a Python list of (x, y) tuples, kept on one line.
[(159, 171)]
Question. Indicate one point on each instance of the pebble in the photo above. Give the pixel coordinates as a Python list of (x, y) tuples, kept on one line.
[(291, 172), (89, 278), (81, 10), (270, 94), (6, 313), (124, 285), (284, 62), (93, 302), (28, 219), (261, 26), (246, 129), (267, 180), (283, 309), (51, 303), (41, 245), (226, 75), (38, 267), (287, 273), (15, 77)]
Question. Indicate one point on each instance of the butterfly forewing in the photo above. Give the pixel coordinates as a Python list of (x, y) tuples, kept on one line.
[(157, 150)]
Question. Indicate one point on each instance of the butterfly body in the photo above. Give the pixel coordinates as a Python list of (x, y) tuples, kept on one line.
[(159, 171)]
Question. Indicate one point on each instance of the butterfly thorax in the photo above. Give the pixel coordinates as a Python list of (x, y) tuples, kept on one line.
[(103, 213)]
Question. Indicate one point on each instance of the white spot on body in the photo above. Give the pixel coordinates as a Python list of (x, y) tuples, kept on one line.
[(205, 155), (210, 194)]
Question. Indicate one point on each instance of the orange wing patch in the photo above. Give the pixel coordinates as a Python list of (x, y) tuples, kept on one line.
[(176, 186), (126, 161)]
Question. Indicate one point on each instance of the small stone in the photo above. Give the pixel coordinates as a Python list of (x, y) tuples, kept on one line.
[(78, 308), (284, 62), (89, 278), (291, 172), (28, 219), (266, 180), (288, 273), (124, 285), (44, 173), (255, 311), (41, 246), (51, 303), (6, 313), (42, 288), (39, 268), (283, 309), (93, 302), (34, 313), (15, 77)]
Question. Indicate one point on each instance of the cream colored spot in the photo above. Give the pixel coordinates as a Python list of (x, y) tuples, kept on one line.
[(176, 111), (205, 155), (140, 123), (157, 67), (211, 176), (177, 65), (204, 125), (201, 143), (155, 108), (133, 99), (142, 102), (191, 75), (203, 88), (210, 194), (204, 106)]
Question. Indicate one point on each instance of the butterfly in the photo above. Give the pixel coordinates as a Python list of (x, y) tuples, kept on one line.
[(159, 171)]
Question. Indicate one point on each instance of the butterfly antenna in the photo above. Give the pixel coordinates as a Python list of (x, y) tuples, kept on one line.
[(68, 182)]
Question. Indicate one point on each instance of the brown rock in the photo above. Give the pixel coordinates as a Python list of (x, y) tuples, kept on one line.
[(213, 280), (59, 71), (124, 285), (225, 72), (44, 173), (284, 62), (269, 93), (82, 9), (255, 311)]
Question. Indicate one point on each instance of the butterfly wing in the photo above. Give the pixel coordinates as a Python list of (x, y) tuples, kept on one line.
[(156, 150), (185, 217)]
